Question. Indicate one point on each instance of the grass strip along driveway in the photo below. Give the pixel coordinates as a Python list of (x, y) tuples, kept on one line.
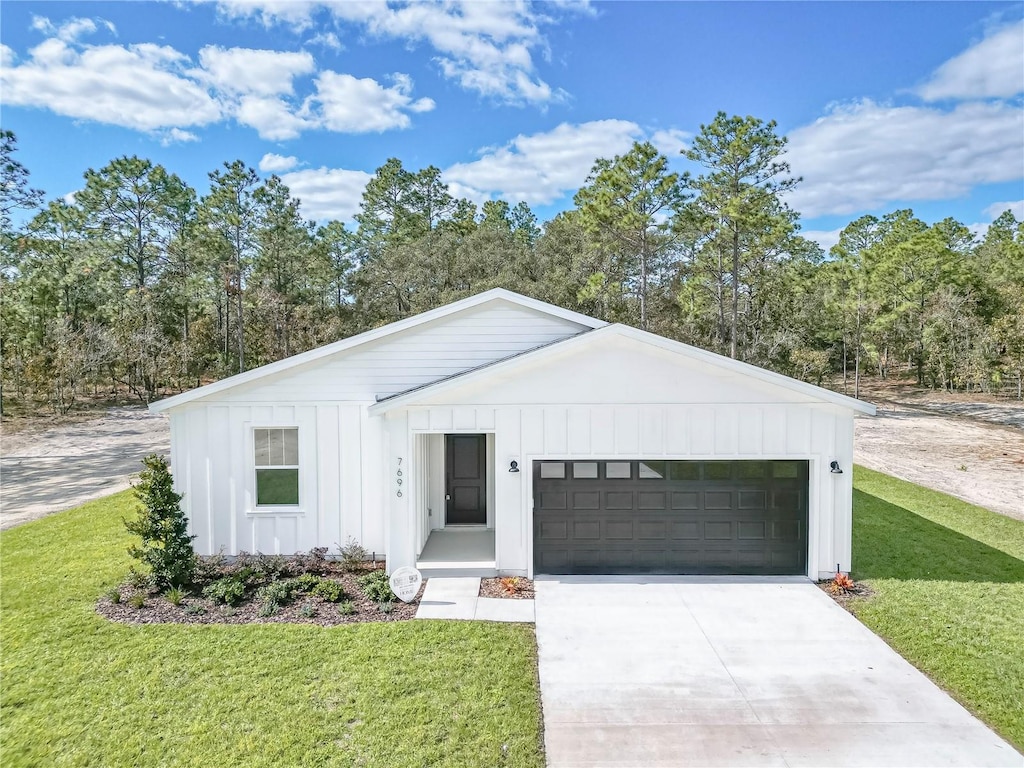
[(78, 690), (949, 583)]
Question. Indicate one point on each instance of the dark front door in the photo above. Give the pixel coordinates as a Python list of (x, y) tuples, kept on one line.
[(465, 479), (690, 517)]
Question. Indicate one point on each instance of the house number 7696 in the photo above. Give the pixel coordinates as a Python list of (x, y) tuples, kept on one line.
[(398, 478)]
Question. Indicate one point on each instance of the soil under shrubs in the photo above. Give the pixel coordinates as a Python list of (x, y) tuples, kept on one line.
[(306, 603), (502, 587)]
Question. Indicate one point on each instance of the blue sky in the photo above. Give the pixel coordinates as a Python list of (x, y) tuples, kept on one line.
[(886, 105)]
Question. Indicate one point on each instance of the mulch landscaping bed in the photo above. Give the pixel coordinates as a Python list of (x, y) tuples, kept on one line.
[(494, 588), (843, 598), (196, 609)]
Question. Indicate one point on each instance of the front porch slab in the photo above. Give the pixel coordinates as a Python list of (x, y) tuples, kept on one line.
[(458, 598)]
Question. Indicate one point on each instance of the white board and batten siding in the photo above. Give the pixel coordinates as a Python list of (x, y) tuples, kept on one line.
[(344, 479), (726, 416)]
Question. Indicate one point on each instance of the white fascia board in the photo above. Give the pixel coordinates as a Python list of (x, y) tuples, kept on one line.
[(677, 347), (334, 348)]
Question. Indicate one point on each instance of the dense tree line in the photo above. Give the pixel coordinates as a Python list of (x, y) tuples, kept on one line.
[(139, 283)]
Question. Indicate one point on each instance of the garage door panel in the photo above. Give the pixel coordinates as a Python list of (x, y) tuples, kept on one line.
[(618, 529), (686, 529), (717, 500), (685, 500), (651, 500), (752, 500), (720, 530), (618, 500), (652, 529), (553, 500), (588, 558), (715, 517), (787, 530), (747, 530)]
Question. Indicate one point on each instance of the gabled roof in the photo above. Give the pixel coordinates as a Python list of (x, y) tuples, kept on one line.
[(495, 294), (596, 337)]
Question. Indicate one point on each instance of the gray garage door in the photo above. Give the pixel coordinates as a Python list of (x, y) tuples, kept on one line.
[(687, 517)]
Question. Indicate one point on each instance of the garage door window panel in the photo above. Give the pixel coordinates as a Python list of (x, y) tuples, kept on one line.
[(619, 470)]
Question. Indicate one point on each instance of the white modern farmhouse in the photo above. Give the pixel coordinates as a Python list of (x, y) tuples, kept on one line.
[(500, 434)]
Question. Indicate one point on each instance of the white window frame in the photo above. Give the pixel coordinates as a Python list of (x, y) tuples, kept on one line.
[(255, 508)]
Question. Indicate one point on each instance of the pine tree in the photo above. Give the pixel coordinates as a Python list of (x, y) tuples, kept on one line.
[(162, 526)]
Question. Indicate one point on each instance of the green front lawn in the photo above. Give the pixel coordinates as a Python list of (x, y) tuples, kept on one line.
[(949, 579), (77, 690)]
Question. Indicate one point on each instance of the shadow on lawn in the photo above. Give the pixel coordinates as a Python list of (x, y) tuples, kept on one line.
[(890, 542)]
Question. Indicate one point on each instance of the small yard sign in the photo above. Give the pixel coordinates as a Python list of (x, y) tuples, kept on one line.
[(405, 583)]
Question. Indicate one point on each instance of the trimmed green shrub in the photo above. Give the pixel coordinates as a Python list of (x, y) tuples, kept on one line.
[(308, 610), (137, 600), (328, 590), (278, 592), (376, 587), (307, 582), (229, 590), (166, 546), (346, 608)]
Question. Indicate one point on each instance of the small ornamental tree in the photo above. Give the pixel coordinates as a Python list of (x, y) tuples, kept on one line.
[(166, 546)]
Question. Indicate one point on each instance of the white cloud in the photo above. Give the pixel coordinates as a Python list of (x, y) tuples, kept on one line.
[(326, 40), (826, 238), (542, 167), (993, 68), (295, 13), (153, 88), (996, 210), (71, 29), (327, 193), (671, 141), (486, 47), (249, 71), (177, 136), (272, 117), (139, 86), (360, 105), (272, 163), (865, 155)]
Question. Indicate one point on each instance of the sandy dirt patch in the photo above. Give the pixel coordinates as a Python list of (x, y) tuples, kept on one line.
[(974, 451), (64, 466)]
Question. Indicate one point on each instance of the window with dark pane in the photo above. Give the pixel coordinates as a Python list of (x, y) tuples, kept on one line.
[(276, 454)]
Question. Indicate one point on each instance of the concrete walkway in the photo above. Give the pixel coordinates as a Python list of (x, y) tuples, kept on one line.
[(457, 598), (673, 671)]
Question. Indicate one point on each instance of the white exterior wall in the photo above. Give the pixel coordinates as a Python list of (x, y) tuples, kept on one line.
[(340, 477), (345, 478), (559, 408), (411, 358), (819, 433)]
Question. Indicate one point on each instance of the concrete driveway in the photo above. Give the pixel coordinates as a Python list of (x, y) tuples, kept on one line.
[(675, 671)]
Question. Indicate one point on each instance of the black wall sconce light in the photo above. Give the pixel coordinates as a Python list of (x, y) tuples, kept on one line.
[(834, 468), (513, 466)]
